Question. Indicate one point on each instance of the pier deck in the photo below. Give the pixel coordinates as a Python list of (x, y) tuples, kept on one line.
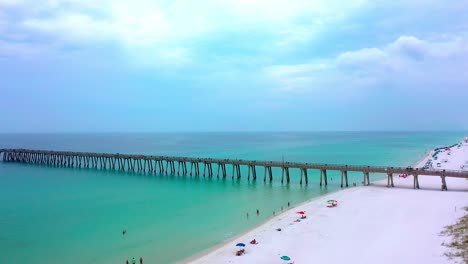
[(167, 165)]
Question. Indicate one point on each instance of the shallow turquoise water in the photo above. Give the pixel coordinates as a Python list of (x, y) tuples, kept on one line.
[(62, 215)]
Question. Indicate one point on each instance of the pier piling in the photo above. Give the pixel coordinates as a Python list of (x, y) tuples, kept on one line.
[(366, 178), (390, 179), (344, 177), (323, 174), (166, 165)]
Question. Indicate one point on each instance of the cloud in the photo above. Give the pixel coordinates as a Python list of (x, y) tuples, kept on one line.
[(409, 46), (416, 48), (362, 57), (72, 27), (9, 2), (404, 62), (298, 35), (291, 77), (22, 50), (155, 25)]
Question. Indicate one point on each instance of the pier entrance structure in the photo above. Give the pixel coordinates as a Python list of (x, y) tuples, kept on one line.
[(178, 165)]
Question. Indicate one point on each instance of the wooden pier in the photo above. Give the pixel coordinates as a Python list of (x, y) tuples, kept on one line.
[(179, 166)]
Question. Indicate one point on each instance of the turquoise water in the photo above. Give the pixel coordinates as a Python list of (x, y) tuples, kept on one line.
[(62, 215)]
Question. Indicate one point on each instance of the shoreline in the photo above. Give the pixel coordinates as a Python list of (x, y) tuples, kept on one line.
[(235, 238), (217, 253), (271, 218)]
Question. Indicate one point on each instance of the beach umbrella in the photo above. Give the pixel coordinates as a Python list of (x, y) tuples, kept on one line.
[(240, 245), (286, 258)]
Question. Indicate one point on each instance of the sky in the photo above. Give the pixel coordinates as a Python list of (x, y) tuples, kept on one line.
[(233, 65)]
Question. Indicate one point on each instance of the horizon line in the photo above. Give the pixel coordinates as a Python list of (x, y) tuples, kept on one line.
[(234, 131)]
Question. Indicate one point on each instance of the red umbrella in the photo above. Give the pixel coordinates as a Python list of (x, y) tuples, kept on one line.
[(301, 212)]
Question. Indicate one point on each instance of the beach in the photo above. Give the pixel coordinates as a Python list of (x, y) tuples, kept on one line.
[(370, 224), (78, 215)]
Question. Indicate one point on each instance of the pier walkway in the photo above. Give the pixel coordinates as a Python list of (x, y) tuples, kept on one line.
[(167, 165)]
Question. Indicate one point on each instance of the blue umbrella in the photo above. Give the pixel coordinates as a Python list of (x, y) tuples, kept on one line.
[(240, 245)]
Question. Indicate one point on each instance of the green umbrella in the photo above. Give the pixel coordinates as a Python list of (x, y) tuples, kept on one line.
[(285, 258)]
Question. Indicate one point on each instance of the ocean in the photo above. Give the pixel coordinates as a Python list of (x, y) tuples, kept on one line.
[(64, 215)]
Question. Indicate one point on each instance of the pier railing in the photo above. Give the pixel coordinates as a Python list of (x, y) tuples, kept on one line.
[(167, 165)]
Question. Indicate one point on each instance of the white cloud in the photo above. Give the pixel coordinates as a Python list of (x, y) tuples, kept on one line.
[(2, 23), (72, 27), (21, 49), (10, 2), (409, 45), (298, 35), (297, 69), (363, 56), (417, 48), (407, 60), (150, 22), (144, 24), (291, 77), (407, 53)]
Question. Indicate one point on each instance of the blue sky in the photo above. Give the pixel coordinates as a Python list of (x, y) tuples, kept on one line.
[(233, 65)]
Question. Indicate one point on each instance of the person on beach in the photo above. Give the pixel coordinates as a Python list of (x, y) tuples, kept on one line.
[(141, 260)]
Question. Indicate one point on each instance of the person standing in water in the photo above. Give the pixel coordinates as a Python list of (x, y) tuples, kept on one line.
[(126, 262), (133, 260), (258, 212), (141, 260)]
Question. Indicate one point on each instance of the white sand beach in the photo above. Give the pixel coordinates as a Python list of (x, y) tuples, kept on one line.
[(371, 224)]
